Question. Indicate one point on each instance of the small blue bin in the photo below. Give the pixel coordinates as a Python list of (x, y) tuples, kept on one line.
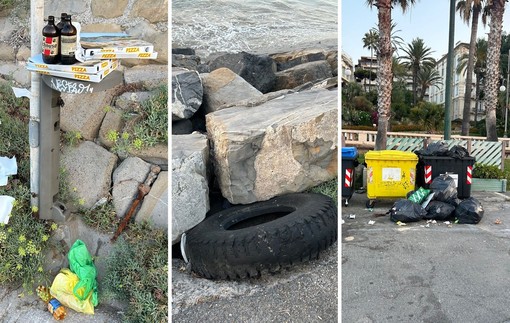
[(349, 163)]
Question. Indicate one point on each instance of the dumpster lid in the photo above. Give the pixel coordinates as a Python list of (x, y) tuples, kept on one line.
[(390, 155), (349, 152)]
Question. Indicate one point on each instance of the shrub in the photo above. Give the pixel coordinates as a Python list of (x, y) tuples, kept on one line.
[(329, 188)]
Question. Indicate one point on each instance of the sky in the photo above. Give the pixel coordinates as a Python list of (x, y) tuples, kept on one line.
[(427, 19)]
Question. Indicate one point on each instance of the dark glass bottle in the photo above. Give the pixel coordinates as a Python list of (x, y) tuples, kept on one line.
[(60, 24), (68, 40), (51, 40)]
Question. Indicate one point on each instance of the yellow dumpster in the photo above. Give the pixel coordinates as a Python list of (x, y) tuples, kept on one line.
[(390, 174)]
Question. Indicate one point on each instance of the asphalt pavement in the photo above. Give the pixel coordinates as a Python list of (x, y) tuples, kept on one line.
[(420, 273)]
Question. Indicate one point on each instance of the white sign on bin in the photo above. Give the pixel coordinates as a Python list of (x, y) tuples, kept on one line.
[(391, 174), (455, 178)]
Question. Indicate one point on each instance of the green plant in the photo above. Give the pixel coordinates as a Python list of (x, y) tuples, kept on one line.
[(137, 271), (329, 188), (102, 218), (72, 138), (23, 242), (488, 171)]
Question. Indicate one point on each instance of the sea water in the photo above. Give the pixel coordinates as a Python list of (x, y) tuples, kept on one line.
[(211, 26)]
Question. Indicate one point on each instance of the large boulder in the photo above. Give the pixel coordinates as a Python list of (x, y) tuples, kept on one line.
[(190, 189), (155, 205), (187, 93), (258, 70), (131, 172), (303, 73), (279, 147), (89, 170), (290, 59), (223, 88)]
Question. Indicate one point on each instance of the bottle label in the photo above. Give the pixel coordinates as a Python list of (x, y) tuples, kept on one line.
[(50, 46), (68, 45)]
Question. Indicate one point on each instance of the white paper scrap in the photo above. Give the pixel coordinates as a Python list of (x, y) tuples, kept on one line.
[(6, 204), (8, 166)]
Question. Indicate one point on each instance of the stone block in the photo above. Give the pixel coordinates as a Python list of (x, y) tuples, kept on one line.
[(303, 73), (258, 70), (190, 189), (84, 113), (108, 9), (101, 28), (150, 76), (89, 168), (224, 87), (23, 54), (131, 172), (187, 93), (155, 204), (112, 121), (157, 154), (156, 11), (279, 147)]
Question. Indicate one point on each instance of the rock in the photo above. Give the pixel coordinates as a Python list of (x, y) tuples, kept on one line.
[(84, 113), (131, 101), (190, 189), (260, 99), (101, 28), (157, 155), (328, 84), (203, 68), (187, 93), (7, 28), (183, 51), (108, 9), (290, 59), (155, 205), (131, 172), (301, 74), (18, 73), (279, 147), (6, 52), (55, 7), (182, 127), (112, 121), (155, 11), (89, 168), (23, 54), (332, 58), (258, 70), (150, 76), (189, 62), (224, 87)]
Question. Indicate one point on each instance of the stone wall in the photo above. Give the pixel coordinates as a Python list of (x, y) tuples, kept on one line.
[(144, 19)]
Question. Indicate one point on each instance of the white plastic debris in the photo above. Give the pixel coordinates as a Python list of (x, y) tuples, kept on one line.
[(20, 92), (6, 204), (8, 166), (352, 216), (371, 222), (447, 222)]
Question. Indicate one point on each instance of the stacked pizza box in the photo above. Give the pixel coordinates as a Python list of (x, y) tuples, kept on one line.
[(98, 55)]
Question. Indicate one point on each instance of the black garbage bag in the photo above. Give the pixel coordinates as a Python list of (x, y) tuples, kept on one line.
[(437, 148), (445, 189), (469, 211), (405, 210), (458, 152), (441, 211)]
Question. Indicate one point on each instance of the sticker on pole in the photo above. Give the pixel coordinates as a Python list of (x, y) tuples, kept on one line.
[(391, 174)]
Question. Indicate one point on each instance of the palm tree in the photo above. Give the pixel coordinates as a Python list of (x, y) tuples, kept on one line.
[(417, 57), (396, 40), (465, 9), (480, 63), (398, 70), (370, 41), (427, 77), (385, 54), (497, 9)]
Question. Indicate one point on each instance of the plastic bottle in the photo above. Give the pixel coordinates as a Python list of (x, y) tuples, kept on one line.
[(54, 306)]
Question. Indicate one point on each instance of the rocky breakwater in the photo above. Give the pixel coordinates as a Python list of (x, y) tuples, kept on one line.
[(250, 127)]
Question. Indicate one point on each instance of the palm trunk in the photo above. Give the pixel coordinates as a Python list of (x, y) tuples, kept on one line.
[(384, 83), (493, 53), (415, 80), (466, 115)]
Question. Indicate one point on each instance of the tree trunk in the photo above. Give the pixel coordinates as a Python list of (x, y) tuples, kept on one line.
[(466, 115), (415, 80), (492, 76), (384, 84)]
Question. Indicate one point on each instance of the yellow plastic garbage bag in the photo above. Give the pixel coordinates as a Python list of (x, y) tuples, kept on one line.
[(62, 289)]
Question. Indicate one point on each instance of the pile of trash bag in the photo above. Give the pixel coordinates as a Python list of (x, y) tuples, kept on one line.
[(440, 148), (439, 202)]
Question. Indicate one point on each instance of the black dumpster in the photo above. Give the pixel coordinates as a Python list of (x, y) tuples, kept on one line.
[(460, 169), (349, 163)]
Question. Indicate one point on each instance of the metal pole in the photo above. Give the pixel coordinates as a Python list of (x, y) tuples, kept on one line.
[(507, 90), (36, 26), (449, 72)]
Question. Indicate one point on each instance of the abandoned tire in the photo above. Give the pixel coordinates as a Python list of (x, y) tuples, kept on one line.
[(245, 241)]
